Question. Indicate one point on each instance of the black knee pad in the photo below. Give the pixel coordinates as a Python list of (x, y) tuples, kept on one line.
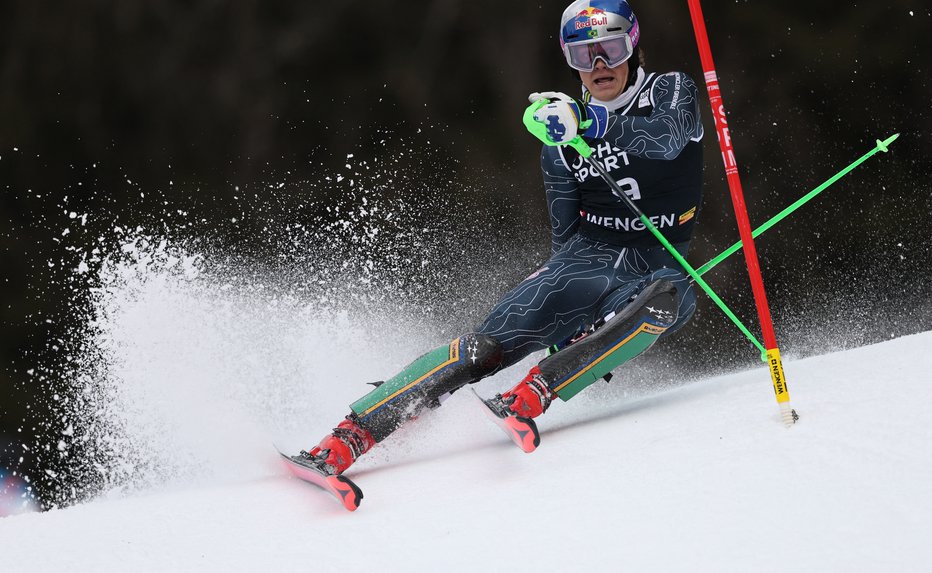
[(484, 355)]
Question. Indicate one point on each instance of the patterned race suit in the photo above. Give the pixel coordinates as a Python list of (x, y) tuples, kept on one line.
[(602, 258)]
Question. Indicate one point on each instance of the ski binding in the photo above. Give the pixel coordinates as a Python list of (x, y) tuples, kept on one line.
[(315, 472), (522, 431)]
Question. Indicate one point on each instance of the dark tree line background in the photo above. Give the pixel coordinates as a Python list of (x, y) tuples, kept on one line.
[(194, 99)]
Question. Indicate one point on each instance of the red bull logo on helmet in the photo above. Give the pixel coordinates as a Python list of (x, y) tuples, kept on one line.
[(591, 17)]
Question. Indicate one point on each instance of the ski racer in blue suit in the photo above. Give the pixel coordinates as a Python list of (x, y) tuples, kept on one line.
[(609, 290)]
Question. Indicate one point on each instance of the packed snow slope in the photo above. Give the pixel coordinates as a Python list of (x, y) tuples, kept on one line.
[(700, 478)]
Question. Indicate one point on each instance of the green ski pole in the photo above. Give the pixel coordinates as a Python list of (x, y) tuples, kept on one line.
[(881, 146)]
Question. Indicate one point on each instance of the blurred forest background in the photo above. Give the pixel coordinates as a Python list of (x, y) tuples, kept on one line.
[(102, 101)]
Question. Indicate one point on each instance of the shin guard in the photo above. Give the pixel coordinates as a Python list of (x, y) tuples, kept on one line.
[(422, 383), (621, 338)]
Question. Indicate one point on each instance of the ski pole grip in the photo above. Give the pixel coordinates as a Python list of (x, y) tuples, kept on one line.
[(580, 146), (539, 130), (533, 126)]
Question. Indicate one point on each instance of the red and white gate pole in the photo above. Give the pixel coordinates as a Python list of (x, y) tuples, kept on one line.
[(772, 355)]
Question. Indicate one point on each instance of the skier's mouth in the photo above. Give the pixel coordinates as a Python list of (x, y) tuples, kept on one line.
[(604, 81)]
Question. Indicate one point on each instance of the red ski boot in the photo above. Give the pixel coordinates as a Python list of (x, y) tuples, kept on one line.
[(531, 397), (323, 466), (341, 448), (514, 410)]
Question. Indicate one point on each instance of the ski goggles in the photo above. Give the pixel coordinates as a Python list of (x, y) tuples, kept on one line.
[(614, 50)]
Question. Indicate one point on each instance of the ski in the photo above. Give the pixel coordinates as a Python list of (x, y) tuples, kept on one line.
[(522, 431), (339, 486)]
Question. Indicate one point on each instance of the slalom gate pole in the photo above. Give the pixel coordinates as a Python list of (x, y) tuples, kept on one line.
[(787, 413), (881, 146)]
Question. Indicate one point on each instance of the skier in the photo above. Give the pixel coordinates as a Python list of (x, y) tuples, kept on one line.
[(609, 290)]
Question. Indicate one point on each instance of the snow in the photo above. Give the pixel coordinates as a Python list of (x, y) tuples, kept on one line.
[(699, 478)]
